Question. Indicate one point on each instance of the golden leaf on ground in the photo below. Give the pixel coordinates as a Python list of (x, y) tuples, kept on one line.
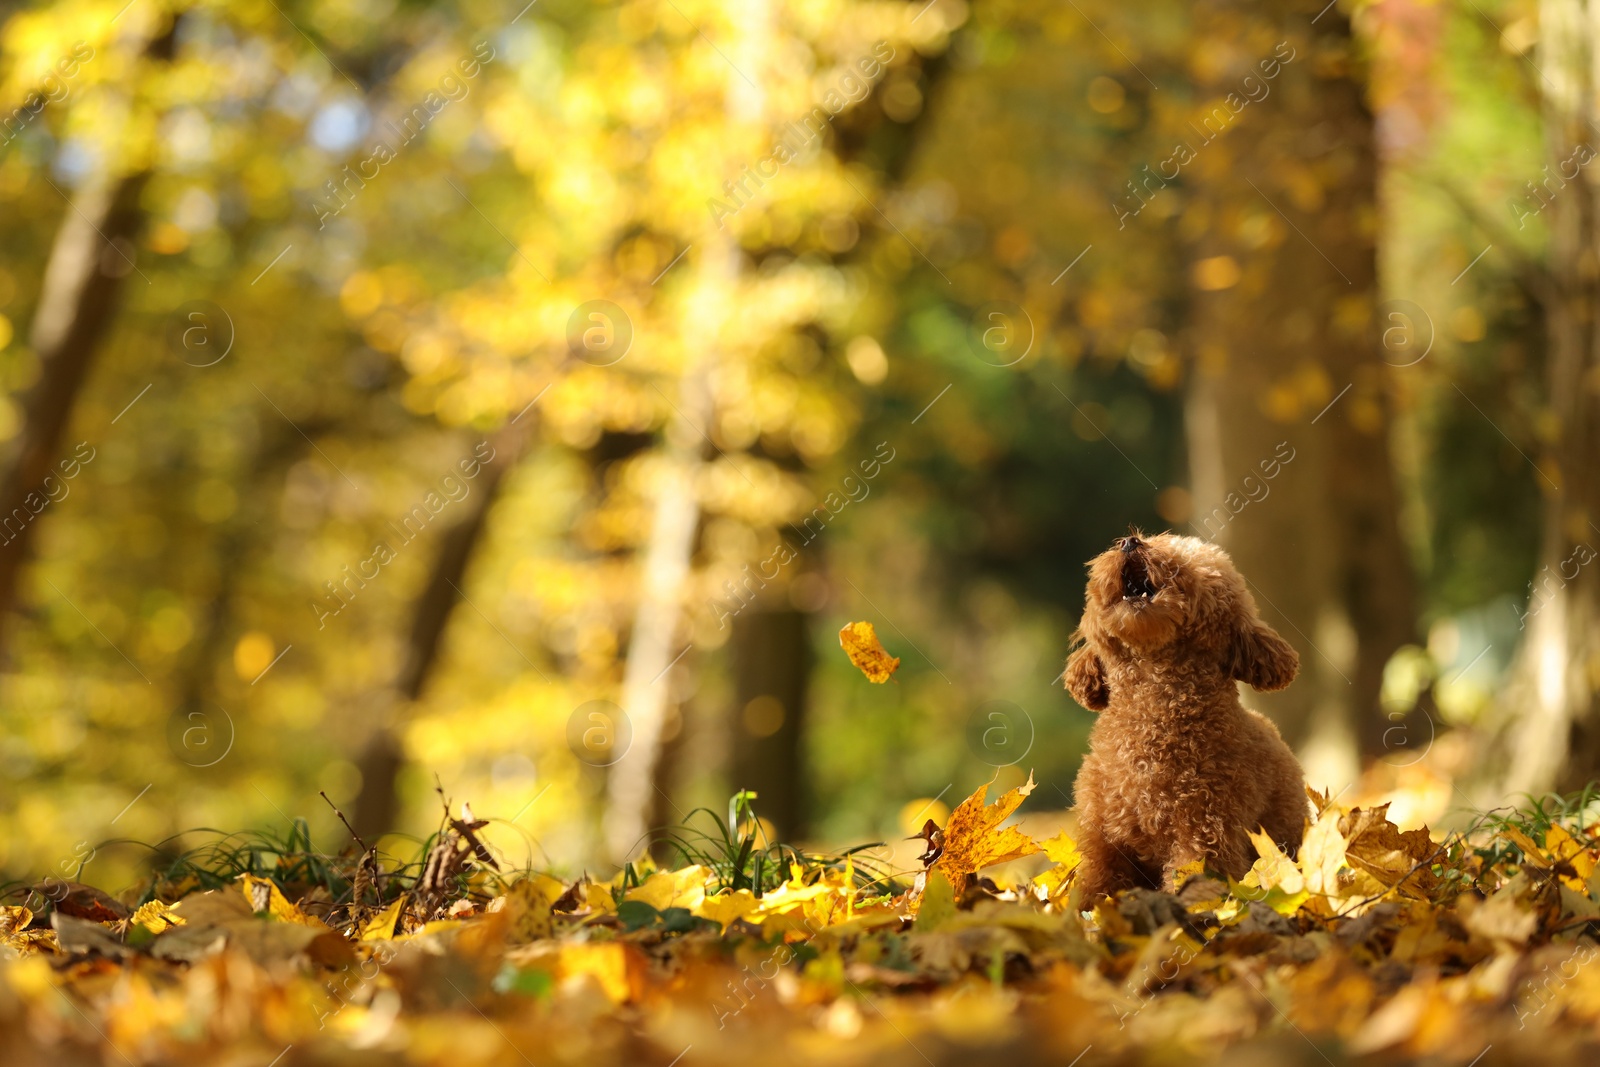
[(1273, 879), (1375, 845), (527, 908), (672, 889), (381, 926), (794, 905), (606, 963), (1530, 848), (1322, 854), (938, 904), (14, 918), (598, 899), (263, 895), (1504, 918), (728, 908), (156, 917), (1569, 852), (1064, 852), (973, 840), (860, 642)]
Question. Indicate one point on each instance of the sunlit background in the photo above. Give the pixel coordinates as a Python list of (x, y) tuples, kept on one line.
[(518, 400)]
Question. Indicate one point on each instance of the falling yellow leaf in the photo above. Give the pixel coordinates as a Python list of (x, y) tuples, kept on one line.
[(973, 840), (860, 642)]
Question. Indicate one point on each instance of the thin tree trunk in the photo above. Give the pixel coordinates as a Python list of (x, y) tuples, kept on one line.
[(89, 261), (1302, 496), (383, 756), (1555, 742), (233, 548), (771, 667), (656, 642), (92, 255)]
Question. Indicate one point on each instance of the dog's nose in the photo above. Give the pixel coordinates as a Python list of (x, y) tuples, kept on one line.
[(1130, 543)]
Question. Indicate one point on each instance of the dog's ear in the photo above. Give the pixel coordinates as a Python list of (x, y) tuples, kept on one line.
[(1261, 659), (1086, 679)]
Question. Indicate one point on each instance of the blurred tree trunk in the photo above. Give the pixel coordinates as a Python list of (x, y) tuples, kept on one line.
[(1291, 473), (241, 536), (383, 756), (656, 641), (92, 255), (1555, 741), (771, 668)]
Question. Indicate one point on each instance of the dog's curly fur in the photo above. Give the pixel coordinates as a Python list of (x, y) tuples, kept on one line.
[(1178, 769)]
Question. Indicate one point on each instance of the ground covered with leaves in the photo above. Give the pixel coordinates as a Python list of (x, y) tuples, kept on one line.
[(1374, 945)]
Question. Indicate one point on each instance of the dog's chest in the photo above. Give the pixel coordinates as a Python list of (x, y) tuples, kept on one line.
[(1152, 764)]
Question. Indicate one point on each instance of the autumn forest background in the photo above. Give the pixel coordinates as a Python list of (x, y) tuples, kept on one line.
[(521, 398)]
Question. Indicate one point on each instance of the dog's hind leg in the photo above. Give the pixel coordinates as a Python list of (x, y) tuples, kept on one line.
[(1108, 867), (1286, 814)]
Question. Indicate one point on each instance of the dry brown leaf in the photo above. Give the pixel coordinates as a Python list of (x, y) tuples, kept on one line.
[(860, 642), (972, 840), (81, 901), (1375, 845)]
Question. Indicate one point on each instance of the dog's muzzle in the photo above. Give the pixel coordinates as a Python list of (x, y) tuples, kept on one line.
[(1136, 583)]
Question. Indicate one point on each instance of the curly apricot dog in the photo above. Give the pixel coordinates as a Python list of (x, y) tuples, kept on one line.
[(1178, 770)]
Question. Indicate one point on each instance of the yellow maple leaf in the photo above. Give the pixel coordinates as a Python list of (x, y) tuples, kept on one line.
[(1322, 854), (1568, 851), (14, 917), (15, 935), (606, 963), (527, 908), (672, 889), (860, 642), (1063, 851), (938, 903), (598, 899), (382, 925), (1403, 860), (728, 908), (263, 890), (1273, 879), (973, 840), (156, 917)]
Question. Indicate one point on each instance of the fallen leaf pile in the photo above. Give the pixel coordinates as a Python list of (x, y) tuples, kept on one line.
[(1373, 944)]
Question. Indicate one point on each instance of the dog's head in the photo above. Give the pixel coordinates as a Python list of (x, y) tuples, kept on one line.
[(1168, 598)]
